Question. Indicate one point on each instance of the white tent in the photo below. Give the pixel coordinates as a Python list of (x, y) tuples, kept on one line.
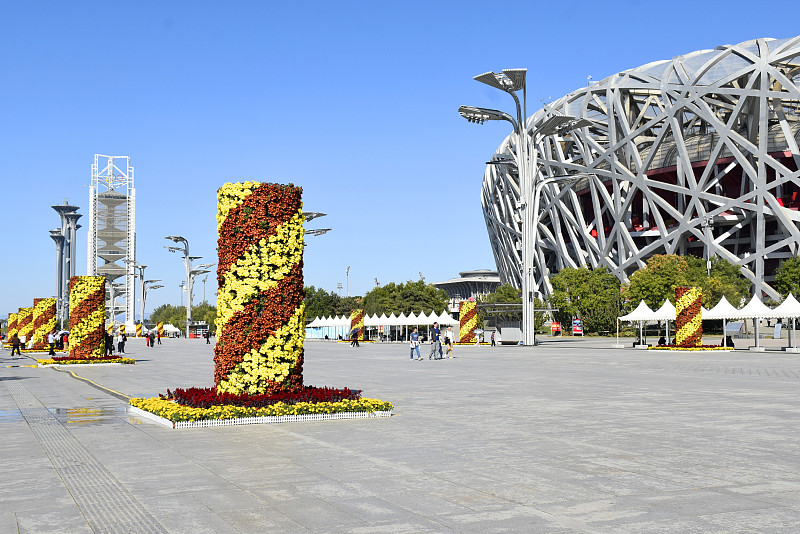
[(641, 314), (446, 319), (665, 313), (723, 310), (789, 309), (755, 309)]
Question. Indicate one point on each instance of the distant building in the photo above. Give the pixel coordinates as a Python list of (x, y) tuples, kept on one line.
[(470, 284)]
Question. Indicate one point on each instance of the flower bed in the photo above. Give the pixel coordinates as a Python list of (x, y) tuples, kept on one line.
[(258, 357), (44, 321), (688, 317), (12, 325), (25, 324), (87, 314), (468, 312), (696, 348), (174, 412), (261, 313), (208, 397), (79, 361)]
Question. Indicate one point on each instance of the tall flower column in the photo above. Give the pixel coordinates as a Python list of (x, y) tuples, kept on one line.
[(87, 315), (260, 310), (468, 321), (25, 324), (688, 317), (12, 325), (357, 321), (44, 321)]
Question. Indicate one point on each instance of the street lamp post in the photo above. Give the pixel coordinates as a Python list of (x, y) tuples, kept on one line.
[(511, 81), (147, 285), (348, 280), (139, 270), (187, 260)]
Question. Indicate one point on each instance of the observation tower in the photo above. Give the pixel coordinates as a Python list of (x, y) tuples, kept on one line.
[(112, 232)]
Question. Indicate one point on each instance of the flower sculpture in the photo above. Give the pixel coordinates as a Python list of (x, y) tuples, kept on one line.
[(25, 324), (468, 321), (688, 317), (12, 325), (357, 324), (44, 321), (260, 311), (138, 329), (160, 329), (87, 314)]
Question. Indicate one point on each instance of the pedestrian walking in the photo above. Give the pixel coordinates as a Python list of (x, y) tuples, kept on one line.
[(208, 337), (51, 341), (158, 337), (152, 338), (414, 339), (436, 343), (493, 339), (448, 339), (122, 340), (109, 344), (354, 338), (15, 345)]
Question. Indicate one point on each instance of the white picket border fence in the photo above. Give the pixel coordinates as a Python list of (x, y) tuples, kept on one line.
[(271, 419)]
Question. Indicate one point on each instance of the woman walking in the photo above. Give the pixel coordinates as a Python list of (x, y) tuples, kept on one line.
[(415, 344)]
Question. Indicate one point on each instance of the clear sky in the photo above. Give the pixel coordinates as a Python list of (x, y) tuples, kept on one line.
[(354, 101)]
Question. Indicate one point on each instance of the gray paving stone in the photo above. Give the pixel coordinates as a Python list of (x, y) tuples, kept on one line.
[(570, 436)]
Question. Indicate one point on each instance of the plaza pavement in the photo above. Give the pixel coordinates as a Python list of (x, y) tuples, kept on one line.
[(569, 436)]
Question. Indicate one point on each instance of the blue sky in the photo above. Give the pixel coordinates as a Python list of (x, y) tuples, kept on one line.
[(354, 101)]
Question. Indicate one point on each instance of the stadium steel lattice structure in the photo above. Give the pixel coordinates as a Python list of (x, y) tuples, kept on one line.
[(694, 155)]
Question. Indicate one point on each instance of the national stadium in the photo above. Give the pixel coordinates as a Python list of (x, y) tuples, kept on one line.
[(694, 155)]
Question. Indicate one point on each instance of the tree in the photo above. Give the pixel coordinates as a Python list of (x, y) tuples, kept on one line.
[(787, 277), (657, 281), (663, 273), (592, 295), (405, 298), (169, 314), (176, 315)]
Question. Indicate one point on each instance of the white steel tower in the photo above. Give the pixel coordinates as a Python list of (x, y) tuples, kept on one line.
[(112, 232)]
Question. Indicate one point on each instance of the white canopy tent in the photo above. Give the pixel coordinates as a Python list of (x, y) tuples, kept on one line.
[(755, 309), (723, 310), (789, 309), (665, 313), (641, 314), (336, 326)]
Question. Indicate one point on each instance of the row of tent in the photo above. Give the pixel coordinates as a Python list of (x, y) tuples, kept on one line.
[(755, 309), (402, 320)]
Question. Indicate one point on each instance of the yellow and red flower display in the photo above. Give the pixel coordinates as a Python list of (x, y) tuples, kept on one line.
[(260, 311), (688, 317), (468, 321), (44, 321), (87, 314), (357, 322), (12, 325), (25, 324)]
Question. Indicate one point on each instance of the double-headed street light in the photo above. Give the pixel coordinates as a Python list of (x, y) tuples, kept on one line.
[(511, 81), (146, 286), (187, 260)]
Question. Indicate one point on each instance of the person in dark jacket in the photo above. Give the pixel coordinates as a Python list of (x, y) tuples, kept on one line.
[(15, 345)]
